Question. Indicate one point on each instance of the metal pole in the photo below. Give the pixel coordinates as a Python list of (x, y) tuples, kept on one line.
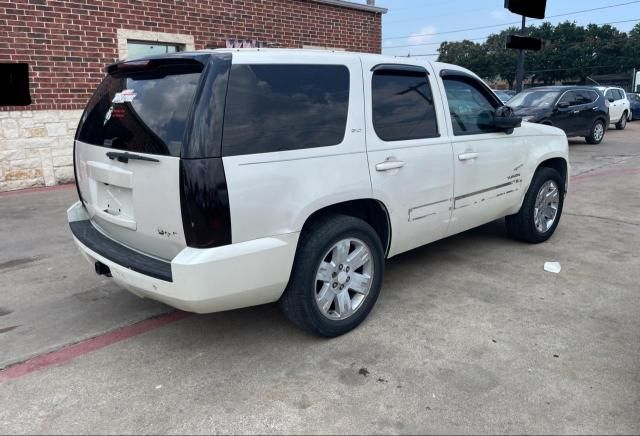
[(520, 70)]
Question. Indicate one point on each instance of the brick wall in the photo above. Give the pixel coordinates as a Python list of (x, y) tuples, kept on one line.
[(68, 43)]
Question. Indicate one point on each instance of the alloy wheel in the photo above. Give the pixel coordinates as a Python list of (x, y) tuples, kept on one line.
[(598, 131), (344, 278), (546, 206)]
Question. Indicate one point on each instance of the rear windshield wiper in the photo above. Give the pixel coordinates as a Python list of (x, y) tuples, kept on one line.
[(124, 157)]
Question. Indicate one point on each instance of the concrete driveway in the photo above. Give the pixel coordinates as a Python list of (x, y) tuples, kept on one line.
[(470, 334)]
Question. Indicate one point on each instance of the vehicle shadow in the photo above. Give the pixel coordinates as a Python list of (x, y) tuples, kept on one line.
[(435, 260)]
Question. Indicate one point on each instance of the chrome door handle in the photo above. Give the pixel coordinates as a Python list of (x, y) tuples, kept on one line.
[(467, 156), (576, 112), (390, 165)]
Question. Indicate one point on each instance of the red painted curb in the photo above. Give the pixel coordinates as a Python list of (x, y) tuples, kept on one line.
[(72, 351), (39, 189)]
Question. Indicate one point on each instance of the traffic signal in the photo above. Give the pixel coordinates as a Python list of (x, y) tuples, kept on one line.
[(528, 8), (524, 42)]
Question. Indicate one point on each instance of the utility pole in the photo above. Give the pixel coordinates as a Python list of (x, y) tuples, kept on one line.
[(520, 70)]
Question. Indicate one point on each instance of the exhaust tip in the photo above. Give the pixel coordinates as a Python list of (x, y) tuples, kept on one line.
[(102, 269)]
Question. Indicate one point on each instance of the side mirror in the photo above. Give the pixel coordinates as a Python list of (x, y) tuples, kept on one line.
[(611, 99), (505, 119), (563, 105)]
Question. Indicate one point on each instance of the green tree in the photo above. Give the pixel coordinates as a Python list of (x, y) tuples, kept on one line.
[(570, 53)]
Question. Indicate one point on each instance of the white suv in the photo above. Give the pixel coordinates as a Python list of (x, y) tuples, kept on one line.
[(619, 106), (222, 179)]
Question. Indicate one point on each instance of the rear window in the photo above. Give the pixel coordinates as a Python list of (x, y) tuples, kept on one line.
[(142, 111), (285, 107)]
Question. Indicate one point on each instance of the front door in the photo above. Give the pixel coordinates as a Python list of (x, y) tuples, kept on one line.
[(488, 163), (615, 105), (567, 116), (410, 157)]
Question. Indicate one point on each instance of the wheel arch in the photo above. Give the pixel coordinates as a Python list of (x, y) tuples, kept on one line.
[(559, 164), (370, 210)]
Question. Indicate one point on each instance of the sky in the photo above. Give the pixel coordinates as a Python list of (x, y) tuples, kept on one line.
[(415, 26)]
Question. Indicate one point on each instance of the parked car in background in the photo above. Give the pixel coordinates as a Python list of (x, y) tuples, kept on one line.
[(619, 106), (221, 179), (504, 94), (634, 102), (579, 111)]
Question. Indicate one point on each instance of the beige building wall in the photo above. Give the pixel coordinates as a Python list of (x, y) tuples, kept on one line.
[(36, 148)]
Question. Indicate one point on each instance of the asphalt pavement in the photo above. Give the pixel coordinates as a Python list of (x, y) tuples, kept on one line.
[(470, 334)]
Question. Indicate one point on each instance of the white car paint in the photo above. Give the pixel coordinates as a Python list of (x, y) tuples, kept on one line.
[(135, 203), (432, 195), (618, 106), (418, 196)]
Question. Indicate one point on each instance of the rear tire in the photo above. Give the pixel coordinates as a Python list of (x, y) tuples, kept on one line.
[(532, 223), (596, 135), (330, 292), (620, 125)]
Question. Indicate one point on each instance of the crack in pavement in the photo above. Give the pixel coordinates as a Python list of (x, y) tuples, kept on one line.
[(602, 218), (605, 165)]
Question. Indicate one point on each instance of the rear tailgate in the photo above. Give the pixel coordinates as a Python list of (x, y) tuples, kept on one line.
[(127, 152)]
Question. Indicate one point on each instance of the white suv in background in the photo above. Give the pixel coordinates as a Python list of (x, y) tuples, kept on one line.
[(221, 179), (619, 105)]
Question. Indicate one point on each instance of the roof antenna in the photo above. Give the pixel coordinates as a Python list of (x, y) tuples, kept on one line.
[(593, 80)]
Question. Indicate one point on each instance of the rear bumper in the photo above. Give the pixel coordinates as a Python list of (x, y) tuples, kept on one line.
[(196, 280)]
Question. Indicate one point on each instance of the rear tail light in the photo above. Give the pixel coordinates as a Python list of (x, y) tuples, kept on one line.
[(204, 201)]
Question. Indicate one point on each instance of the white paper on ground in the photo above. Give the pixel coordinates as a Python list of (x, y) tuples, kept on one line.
[(553, 267)]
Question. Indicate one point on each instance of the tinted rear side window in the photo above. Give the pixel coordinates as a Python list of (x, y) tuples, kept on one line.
[(402, 106), (284, 107), (586, 96), (142, 111)]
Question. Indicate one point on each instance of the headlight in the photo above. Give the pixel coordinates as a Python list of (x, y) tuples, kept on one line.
[(530, 118)]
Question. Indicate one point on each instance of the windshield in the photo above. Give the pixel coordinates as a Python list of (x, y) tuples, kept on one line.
[(534, 99)]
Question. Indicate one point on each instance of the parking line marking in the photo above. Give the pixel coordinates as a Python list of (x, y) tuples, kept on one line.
[(72, 351)]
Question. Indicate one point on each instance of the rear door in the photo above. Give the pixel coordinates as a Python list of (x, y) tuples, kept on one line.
[(410, 156), (127, 152), (588, 109)]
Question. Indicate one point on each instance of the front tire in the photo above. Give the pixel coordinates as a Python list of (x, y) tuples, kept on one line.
[(596, 135), (620, 125), (541, 209), (336, 276)]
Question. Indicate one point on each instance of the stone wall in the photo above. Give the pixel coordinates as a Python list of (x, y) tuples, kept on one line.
[(36, 148)]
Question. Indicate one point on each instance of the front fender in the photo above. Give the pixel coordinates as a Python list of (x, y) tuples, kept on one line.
[(546, 143)]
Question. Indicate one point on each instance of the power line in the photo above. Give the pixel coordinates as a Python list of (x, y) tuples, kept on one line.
[(512, 23), (485, 37)]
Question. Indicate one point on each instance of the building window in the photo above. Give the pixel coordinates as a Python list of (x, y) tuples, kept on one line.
[(137, 43), (138, 49)]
